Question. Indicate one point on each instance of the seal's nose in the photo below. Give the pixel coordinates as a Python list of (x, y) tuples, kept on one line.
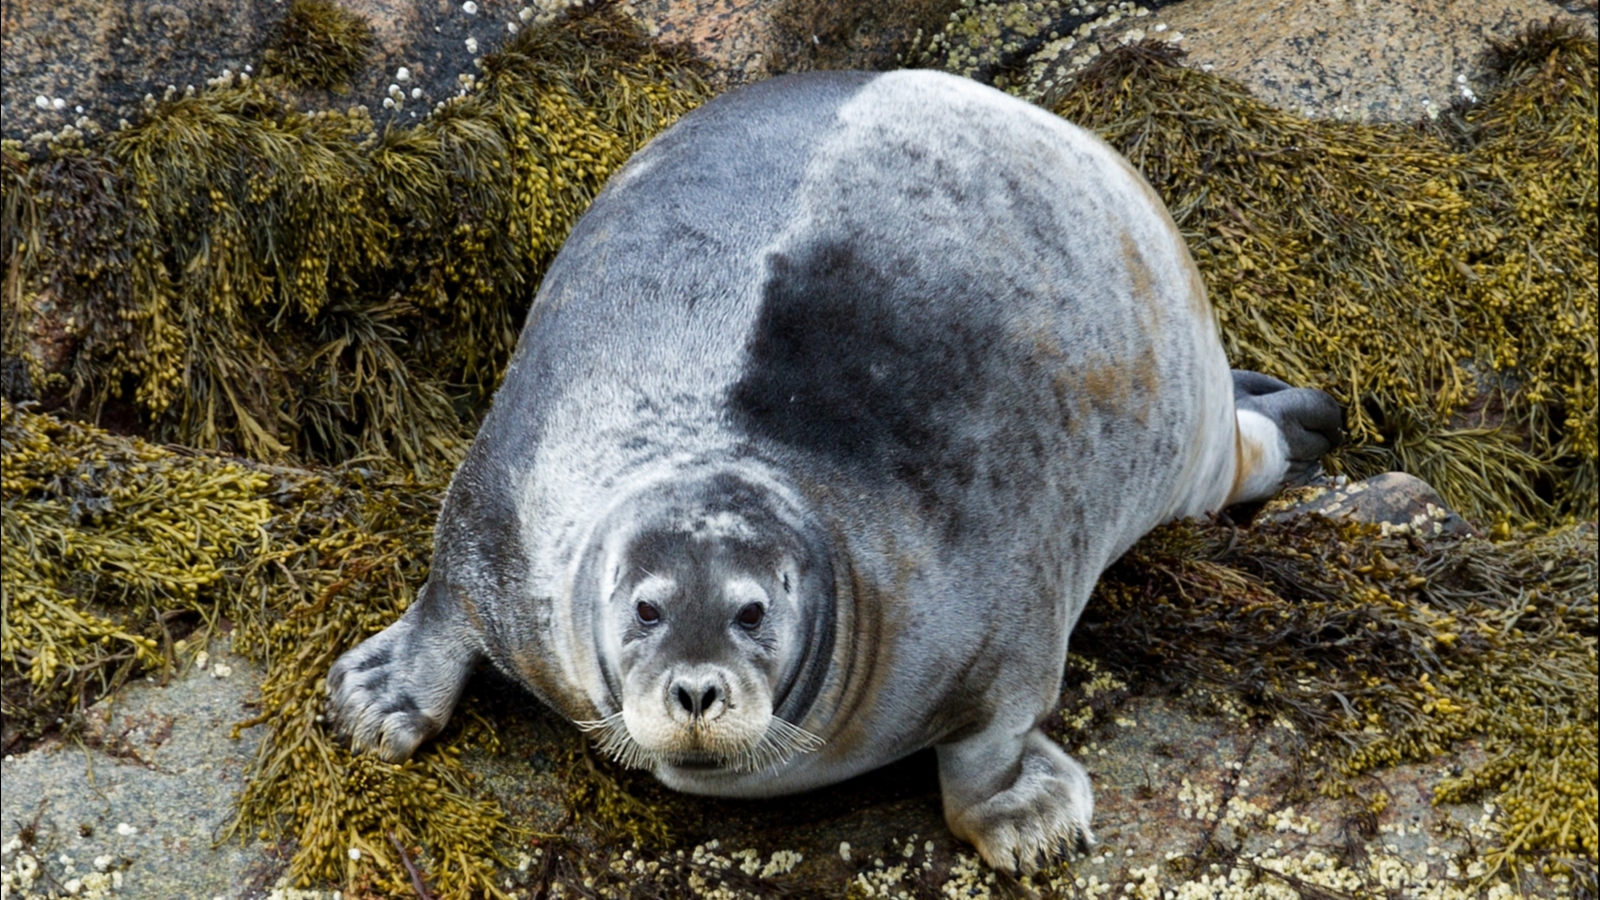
[(698, 695)]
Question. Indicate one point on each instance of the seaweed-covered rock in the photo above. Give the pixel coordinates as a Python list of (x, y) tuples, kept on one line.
[(243, 275), (1307, 706), (94, 63), (1440, 282)]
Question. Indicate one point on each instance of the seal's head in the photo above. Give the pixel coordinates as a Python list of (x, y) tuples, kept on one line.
[(715, 627)]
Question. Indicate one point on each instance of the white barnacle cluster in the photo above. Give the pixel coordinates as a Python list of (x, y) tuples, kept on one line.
[(1239, 812), (543, 12), (969, 879), (1427, 523), (1287, 820), (983, 33), (1196, 801), (284, 891), (906, 866), (27, 873), (705, 869)]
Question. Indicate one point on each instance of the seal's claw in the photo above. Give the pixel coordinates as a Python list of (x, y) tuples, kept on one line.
[(1028, 823), (396, 690)]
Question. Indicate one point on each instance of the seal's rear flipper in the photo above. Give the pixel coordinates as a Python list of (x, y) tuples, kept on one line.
[(397, 688), (1283, 433)]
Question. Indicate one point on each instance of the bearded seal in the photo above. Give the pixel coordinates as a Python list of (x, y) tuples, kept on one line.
[(823, 424)]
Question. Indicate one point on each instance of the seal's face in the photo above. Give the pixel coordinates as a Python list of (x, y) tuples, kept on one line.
[(703, 628)]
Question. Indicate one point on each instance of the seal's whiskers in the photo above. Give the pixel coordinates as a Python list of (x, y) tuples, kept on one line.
[(781, 741), (612, 738)]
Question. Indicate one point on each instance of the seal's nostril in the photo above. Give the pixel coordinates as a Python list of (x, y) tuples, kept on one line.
[(708, 698), (686, 700)]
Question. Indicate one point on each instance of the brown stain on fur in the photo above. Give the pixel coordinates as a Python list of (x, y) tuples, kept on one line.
[(1114, 387), (1143, 284), (1246, 457)]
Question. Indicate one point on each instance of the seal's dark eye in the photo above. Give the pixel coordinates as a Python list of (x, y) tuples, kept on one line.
[(647, 613), (750, 616)]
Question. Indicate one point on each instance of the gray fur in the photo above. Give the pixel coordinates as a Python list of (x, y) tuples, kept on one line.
[(899, 359)]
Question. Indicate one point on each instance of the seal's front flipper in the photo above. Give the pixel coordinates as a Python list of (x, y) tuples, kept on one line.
[(397, 688), (1021, 800), (1283, 433)]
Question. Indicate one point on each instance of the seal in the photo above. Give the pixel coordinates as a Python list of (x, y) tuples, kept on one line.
[(823, 424)]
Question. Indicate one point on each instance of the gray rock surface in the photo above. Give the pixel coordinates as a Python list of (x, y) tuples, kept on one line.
[(1365, 60), (1190, 801), (131, 806), (93, 62)]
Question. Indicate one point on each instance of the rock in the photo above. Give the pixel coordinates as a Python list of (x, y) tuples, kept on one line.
[(105, 57), (1395, 499), (91, 61), (731, 34), (137, 799), (1364, 60)]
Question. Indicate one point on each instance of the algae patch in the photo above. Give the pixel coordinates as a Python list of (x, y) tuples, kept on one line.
[(319, 44), (1442, 284), (107, 537), (297, 285), (1383, 649)]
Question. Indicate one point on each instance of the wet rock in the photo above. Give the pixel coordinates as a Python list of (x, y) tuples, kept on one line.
[(1393, 499), (1361, 60), (93, 61)]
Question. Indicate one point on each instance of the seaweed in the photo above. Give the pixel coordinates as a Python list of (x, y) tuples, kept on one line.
[(300, 286), (843, 35), (1382, 648), (1375, 645), (107, 538), (319, 44), (1442, 286)]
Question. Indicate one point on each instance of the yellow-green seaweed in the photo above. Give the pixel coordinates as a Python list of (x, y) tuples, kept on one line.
[(1378, 647), (1442, 285), (1383, 649), (106, 537), (319, 44), (294, 285), (373, 349)]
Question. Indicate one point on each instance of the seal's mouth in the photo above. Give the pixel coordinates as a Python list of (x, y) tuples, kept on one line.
[(781, 741), (698, 762)]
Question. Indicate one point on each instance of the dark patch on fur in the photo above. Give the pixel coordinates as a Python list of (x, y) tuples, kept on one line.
[(858, 359)]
